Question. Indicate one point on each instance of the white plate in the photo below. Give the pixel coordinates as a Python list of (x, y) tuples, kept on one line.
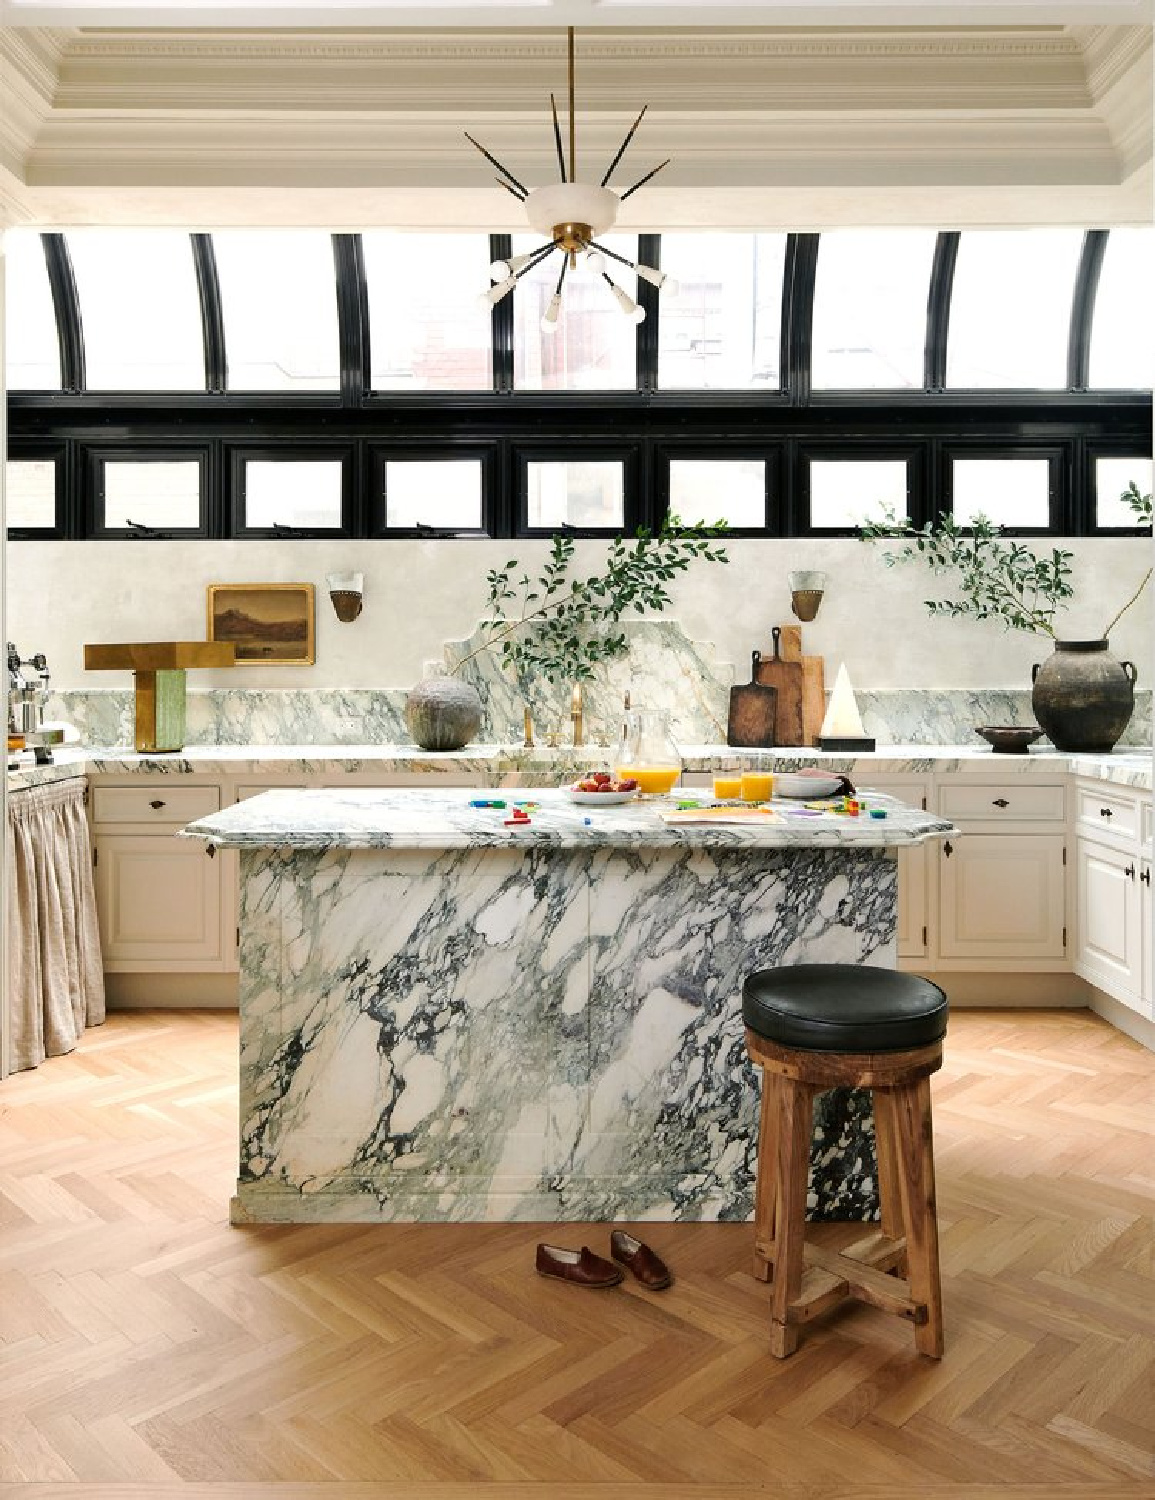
[(809, 788), (600, 799)]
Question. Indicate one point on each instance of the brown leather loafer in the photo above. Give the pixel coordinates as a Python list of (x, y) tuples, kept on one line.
[(650, 1269), (582, 1267)]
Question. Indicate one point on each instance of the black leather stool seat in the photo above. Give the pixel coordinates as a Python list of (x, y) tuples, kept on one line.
[(843, 1008)]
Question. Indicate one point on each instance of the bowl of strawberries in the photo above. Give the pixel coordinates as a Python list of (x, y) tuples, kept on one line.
[(600, 789)]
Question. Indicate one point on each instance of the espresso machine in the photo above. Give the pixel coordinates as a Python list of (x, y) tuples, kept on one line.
[(27, 696)]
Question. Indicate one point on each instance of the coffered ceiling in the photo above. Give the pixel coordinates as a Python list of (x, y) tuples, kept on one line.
[(768, 126)]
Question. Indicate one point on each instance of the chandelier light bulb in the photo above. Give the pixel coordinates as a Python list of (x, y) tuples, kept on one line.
[(638, 315), (496, 293), (627, 303), (500, 269), (550, 316), (594, 262)]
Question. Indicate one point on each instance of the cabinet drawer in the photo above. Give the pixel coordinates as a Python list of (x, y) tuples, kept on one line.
[(1018, 802), (163, 805), (1107, 810)]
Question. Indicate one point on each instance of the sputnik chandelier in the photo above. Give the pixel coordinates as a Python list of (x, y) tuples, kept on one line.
[(572, 214)]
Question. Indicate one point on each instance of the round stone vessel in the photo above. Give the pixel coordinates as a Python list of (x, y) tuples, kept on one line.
[(1083, 696), (443, 713)]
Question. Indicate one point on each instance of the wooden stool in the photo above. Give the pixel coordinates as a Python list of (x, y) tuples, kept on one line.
[(821, 1026)]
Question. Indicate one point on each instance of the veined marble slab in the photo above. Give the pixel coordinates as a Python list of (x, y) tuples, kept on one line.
[(550, 1032), (444, 818), (490, 764)]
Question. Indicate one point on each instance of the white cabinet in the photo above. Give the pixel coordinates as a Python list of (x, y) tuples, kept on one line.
[(1002, 885), (1003, 901), (158, 897), (1114, 950)]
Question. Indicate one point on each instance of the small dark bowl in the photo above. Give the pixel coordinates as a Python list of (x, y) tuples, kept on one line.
[(1008, 739)]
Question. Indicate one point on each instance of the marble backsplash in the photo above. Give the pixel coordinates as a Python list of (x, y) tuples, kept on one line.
[(663, 670)]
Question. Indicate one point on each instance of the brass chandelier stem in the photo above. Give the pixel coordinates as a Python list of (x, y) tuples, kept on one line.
[(572, 122)]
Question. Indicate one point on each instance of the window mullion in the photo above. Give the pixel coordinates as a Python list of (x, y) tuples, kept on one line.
[(501, 248), (69, 325), (352, 317), (798, 315), (938, 310), (649, 298), (212, 317), (1083, 308)]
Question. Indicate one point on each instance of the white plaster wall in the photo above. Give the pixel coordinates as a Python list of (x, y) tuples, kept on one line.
[(419, 594)]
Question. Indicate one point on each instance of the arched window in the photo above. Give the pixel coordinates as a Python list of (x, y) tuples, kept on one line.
[(1123, 323), (721, 328), (426, 331), (31, 351), (1011, 307), (139, 309), (870, 294), (279, 303), (592, 347)]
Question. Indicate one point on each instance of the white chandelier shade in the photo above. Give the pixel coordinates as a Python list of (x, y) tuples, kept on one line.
[(571, 214)]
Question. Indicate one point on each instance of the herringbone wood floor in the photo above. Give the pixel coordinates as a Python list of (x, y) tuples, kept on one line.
[(151, 1351)]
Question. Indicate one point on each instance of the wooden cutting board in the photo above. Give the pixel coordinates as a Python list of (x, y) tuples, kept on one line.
[(786, 678), (753, 712), (813, 682)]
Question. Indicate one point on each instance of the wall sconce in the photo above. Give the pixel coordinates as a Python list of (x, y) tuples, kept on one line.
[(345, 590), (806, 591)]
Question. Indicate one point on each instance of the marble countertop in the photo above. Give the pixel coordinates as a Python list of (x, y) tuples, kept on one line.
[(443, 818), (1132, 768)]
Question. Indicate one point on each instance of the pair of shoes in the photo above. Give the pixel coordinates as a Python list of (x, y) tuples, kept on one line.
[(584, 1268)]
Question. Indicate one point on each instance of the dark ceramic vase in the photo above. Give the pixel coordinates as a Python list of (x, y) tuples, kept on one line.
[(1082, 696), (443, 713)]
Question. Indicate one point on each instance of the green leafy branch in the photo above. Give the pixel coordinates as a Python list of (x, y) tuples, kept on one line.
[(997, 579), (559, 628)]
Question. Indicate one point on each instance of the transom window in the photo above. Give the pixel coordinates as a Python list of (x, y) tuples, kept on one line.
[(426, 330), (279, 302), (870, 298), (31, 352), (721, 321)]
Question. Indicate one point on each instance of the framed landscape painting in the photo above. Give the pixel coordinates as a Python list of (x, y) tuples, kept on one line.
[(266, 622)]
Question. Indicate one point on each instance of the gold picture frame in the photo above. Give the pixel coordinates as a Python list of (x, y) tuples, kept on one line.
[(270, 624)]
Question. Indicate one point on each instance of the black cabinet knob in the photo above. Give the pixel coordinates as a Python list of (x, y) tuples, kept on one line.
[(157, 802), (1000, 802), (1105, 812)]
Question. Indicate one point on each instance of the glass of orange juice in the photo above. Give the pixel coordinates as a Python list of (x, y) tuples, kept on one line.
[(728, 779), (757, 781)]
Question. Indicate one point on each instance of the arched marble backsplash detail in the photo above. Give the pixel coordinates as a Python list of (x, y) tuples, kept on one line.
[(663, 669)]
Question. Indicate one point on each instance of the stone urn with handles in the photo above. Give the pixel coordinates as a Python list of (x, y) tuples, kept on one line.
[(1083, 696), (442, 712)]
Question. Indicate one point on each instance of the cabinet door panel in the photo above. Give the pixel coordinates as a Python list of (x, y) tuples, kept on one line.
[(1002, 898), (1110, 921), (159, 903)]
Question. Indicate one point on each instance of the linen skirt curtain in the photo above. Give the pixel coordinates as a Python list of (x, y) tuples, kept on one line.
[(55, 979)]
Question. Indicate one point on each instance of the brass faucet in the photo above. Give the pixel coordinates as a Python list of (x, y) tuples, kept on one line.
[(576, 714)]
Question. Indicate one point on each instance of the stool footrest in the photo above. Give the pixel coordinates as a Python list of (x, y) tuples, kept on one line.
[(866, 1282)]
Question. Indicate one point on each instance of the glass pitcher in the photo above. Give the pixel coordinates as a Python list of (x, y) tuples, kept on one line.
[(648, 754)]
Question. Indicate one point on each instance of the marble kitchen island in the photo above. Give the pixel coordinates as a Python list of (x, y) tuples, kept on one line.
[(446, 1018)]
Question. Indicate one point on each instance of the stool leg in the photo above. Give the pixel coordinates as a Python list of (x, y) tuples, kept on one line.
[(886, 1151), (766, 1183), (795, 1127), (916, 1176)]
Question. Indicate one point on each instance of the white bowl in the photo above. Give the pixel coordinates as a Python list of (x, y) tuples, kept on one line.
[(600, 799), (808, 788)]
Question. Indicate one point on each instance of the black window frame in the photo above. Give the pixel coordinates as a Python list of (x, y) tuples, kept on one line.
[(96, 459), (629, 454), (773, 455), (1060, 460), (639, 425), (237, 455), (59, 454), (436, 450), (860, 450), (1093, 449)]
